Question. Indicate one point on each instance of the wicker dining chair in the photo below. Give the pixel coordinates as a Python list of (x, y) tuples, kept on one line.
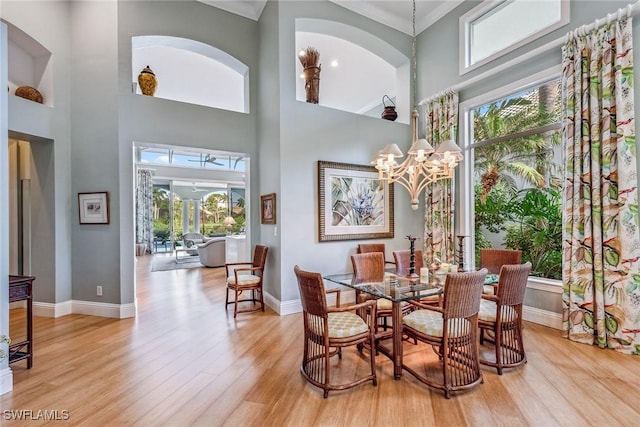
[(502, 314), (247, 276), (453, 330), (328, 329), (402, 260), (364, 248), (369, 267), (493, 259)]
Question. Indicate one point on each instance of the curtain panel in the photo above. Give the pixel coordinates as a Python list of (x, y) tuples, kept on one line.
[(144, 209), (441, 118), (601, 241)]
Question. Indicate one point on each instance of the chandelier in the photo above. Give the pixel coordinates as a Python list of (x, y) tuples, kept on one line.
[(423, 164)]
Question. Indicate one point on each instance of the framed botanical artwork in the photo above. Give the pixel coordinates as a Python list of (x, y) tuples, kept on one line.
[(94, 208), (354, 203), (268, 208)]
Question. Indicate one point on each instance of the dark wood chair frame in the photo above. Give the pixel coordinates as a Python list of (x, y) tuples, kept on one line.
[(320, 347), (256, 267), (458, 345), (507, 333)]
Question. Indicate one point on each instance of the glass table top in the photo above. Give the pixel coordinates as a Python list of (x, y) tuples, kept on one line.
[(397, 288), (393, 288)]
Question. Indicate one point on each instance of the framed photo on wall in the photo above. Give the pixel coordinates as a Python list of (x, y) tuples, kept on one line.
[(353, 203), (268, 208), (94, 208)]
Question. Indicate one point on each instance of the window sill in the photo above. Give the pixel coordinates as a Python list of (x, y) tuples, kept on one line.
[(547, 285)]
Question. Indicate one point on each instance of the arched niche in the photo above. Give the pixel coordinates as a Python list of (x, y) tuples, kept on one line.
[(358, 68), (191, 71)]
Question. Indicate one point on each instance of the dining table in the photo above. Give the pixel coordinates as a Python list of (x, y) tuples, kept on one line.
[(399, 290)]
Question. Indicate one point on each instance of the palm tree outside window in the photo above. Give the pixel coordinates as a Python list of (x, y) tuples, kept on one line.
[(517, 176)]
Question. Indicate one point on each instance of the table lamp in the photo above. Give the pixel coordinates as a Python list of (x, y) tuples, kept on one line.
[(229, 222)]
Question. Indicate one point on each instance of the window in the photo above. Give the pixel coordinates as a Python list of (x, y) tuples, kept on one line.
[(518, 21), (516, 167), (159, 155)]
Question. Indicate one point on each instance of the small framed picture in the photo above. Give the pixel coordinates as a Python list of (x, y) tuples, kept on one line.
[(94, 208), (268, 208)]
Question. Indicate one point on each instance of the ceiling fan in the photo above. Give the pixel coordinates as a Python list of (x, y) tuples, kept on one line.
[(207, 159)]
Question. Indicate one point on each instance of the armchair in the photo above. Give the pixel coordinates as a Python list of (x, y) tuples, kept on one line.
[(212, 252), (328, 329), (247, 276), (193, 239)]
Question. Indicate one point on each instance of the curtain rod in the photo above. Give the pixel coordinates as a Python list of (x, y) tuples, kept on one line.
[(629, 10)]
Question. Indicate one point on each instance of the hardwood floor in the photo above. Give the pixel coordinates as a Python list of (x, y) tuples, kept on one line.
[(183, 360)]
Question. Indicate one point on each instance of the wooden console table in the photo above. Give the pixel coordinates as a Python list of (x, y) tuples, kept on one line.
[(21, 289)]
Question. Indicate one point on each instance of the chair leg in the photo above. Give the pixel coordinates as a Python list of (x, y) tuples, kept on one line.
[(498, 343), (235, 305)]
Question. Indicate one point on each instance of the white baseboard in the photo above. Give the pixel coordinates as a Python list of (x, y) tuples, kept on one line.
[(100, 309), (6, 380), (47, 309), (542, 317)]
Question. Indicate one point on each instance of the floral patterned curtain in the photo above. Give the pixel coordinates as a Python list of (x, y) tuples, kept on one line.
[(441, 117), (601, 243), (144, 209)]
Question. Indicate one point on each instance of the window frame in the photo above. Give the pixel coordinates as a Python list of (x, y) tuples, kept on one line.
[(466, 21), (465, 221)]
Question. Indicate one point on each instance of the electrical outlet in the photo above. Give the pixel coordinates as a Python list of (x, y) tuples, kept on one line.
[(99, 291), (275, 231)]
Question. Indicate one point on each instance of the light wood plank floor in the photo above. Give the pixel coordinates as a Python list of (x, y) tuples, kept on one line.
[(184, 360)]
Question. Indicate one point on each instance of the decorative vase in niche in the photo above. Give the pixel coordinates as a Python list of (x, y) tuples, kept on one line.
[(312, 84), (30, 93), (389, 112), (147, 81)]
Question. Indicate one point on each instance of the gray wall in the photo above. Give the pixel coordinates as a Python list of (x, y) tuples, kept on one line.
[(310, 133), (155, 120), (269, 141), (49, 129)]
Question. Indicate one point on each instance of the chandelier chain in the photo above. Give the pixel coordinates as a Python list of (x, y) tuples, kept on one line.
[(414, 56)]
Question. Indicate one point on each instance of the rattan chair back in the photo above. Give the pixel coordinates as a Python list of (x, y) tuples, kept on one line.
[(312, 293), (512, 283), (462, 294), (368, 267), (493, 259), (403, 261)]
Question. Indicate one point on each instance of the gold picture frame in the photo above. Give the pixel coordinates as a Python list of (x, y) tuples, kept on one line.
[(352, 203), (268, 208)]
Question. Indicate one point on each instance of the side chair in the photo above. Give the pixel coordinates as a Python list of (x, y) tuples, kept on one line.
[(453, 331), (364, 248), (369, 267), (247, 276), (328, 329), (493, 259), (502, 314)]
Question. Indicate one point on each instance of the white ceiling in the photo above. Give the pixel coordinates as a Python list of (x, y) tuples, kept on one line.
[(393, 13)]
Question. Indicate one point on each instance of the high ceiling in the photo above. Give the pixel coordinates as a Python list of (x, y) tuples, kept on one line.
[(393, 13)]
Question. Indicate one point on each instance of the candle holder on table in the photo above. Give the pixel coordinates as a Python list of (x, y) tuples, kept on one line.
[(412, 259), (460, 253)]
